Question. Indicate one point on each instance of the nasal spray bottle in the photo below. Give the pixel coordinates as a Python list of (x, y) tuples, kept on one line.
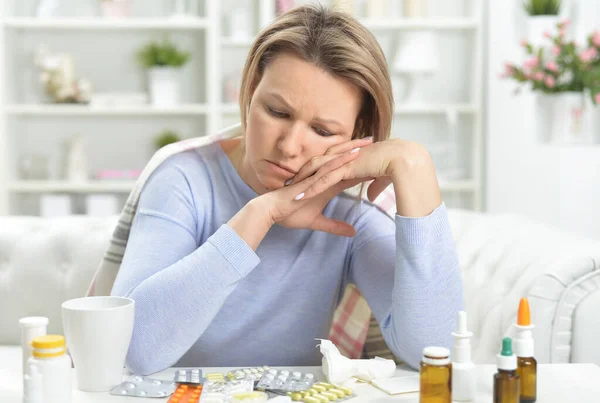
[(463, 369), (526, 364)]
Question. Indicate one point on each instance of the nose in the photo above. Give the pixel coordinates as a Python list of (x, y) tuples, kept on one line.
[(291, 142)]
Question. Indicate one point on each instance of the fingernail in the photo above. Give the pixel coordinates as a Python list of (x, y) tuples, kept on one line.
[(287, 182), (300, 196), (355, 150), (368, 138)]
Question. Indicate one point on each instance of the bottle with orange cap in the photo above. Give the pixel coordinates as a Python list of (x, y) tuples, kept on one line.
[(49, 358), (524, 350)]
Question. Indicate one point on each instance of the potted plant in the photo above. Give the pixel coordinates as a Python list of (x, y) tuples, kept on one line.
[(163, 61), (543, 17), (564, 76), (115, 8), (165, 137)]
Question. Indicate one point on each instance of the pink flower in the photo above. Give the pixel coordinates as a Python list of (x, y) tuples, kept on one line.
[(509, 69), (588, 55), (596, 38), (549, 81), (556, 50), (562, 32), (597, 98), (565, 23), (524, 43), (532, 62), (552, 66), (538, 76), (547, 34)]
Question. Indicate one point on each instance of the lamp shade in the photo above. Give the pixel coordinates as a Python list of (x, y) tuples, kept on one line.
[(417, 53)]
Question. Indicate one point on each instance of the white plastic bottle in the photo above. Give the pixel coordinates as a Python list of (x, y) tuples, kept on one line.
[(32, 385), (31, 327), (49, 356), (463, 369)]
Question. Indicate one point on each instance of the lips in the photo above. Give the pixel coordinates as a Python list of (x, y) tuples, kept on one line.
[(290, 170)]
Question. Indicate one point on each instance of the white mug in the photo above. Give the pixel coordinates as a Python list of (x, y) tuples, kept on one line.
[(98, 332)]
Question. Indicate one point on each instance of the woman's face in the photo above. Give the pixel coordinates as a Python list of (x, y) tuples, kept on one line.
[(297, 112)]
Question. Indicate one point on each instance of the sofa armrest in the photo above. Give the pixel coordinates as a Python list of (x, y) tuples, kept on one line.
[(505, 257)]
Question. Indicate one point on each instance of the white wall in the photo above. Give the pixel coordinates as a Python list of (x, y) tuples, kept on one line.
[(557, 184)]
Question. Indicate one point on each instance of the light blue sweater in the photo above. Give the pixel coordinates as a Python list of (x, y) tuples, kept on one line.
[(205, 298)]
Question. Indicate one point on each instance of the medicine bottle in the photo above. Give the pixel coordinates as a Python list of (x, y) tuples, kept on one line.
[(436, 376), (49, 355), (506, 380)]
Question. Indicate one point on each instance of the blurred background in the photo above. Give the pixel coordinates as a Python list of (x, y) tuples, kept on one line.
[(504, 95)]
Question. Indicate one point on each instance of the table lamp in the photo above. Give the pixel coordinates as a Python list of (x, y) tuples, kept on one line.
[(416, 57)]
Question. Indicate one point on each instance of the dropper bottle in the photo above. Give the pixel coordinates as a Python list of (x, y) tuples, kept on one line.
[(506, 380), (463, 369), (524, 350)]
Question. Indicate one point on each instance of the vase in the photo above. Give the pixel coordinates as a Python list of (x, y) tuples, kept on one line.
[(565, 118), (537, 26), (164, 86), (76, 163)]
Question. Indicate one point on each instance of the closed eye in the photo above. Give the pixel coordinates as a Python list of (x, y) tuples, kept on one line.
[(322, 132), (277, 114)]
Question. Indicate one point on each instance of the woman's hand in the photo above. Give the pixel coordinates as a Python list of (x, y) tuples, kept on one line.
[(406, 164), (289, 208)]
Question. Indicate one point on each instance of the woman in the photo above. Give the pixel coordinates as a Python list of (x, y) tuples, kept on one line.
[(240, 250)]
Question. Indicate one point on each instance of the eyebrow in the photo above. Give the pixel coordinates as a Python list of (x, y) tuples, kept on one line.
[(287, 104)]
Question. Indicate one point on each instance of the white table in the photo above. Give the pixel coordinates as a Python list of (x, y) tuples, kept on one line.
[(557, 383)]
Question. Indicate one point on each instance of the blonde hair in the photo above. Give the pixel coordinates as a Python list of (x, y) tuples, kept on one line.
[(337, 43)]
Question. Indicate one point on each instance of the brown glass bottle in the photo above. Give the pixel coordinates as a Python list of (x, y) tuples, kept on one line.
[(527, 371), (436, 376), (506, 386)]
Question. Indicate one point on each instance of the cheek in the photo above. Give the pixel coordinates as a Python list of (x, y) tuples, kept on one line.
[(261, 131)]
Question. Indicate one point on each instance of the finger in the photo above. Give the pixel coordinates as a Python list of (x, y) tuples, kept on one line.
[(298, 190), (378, 186), (313, 166), (310, 168), (349, 145), (324, 180), (335, 227)]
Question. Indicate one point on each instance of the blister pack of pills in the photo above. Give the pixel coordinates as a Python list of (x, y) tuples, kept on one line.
[(143, 386), (186, 393), (189, 376), (274, 379), (221, 391), (255, 373), (322, 392)]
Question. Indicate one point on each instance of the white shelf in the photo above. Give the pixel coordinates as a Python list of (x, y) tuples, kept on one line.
[(230, 109), (433, 109), (464, 185), (236, 43), (399, 109), (421, 23), (93, 186), (107, 23), (86, 110)]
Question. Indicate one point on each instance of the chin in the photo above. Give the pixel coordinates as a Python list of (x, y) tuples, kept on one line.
[(270, 183)]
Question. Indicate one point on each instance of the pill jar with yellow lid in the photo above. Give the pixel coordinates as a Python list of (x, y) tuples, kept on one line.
[(50, 357), (436, 376)]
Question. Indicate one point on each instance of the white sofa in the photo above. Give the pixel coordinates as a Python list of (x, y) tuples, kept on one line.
[(44, 262)]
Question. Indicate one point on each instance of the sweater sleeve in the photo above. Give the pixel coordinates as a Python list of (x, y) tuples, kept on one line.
[(178, 286), (408, 271)]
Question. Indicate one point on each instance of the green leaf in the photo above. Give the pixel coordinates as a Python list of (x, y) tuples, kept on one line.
[(162, 54), (542, 7)]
